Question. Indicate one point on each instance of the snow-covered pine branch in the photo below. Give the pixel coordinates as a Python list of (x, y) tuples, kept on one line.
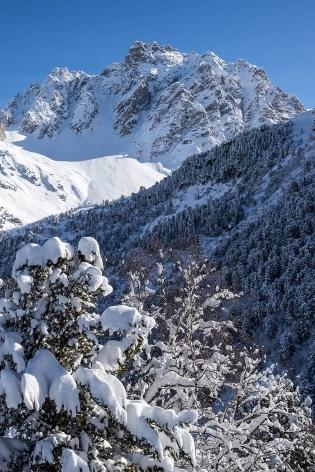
[(63, 405)]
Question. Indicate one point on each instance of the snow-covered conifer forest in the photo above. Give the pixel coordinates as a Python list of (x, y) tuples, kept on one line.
[(83, 391), (157, 270)]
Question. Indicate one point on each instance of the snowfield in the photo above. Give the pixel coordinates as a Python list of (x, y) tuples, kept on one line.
[(32, 186)]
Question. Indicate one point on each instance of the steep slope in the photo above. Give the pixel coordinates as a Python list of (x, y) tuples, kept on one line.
[(33, 186), (249, 204), (158, 105)]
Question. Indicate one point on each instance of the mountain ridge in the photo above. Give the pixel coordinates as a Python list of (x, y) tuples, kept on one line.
[(158, 105)]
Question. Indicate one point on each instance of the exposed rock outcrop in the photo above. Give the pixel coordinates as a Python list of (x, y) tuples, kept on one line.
[(157, 105)]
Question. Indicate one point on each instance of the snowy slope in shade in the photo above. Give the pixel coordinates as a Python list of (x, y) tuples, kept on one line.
[(33, 186), (158, 105)]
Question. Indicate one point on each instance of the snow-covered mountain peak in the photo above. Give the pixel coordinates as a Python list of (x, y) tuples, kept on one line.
[(158, 105), (62, 77), (63, 74), (153, 53)]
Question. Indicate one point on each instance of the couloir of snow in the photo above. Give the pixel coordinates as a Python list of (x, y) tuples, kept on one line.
[(33, 186)]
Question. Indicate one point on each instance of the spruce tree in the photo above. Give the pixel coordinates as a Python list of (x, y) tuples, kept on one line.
[(63, 406)]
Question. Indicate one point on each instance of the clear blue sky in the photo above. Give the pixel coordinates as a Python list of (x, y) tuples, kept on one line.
[(37, 35)]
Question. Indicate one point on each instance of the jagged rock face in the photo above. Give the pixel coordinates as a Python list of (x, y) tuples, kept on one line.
[(160, 104), (2, 132), (128, 111)]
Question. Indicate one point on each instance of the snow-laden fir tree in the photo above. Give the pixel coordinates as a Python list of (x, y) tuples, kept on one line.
[(63, 406)]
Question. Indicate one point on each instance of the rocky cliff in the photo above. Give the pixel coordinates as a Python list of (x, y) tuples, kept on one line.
[(159, 104)]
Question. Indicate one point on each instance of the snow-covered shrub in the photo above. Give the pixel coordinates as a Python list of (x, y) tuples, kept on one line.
[(250, 418), (262, 424), (63, 406)]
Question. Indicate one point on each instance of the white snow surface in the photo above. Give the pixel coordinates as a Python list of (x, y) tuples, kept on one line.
[(11, 345), (139, 416), (113, 353), (51, 251), (45, 378), (43, 451), (32, 254), (33, 186), (124, 319), (10, 385), (106, 388), (93, 277), (72, 461), (35, 255), (89, 249)]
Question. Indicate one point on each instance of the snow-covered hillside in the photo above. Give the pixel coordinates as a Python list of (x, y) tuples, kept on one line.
[(33, 186), (249, 204), (158, 105)]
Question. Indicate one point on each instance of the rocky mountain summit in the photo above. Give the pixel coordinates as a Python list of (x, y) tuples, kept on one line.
[(158, 105)]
